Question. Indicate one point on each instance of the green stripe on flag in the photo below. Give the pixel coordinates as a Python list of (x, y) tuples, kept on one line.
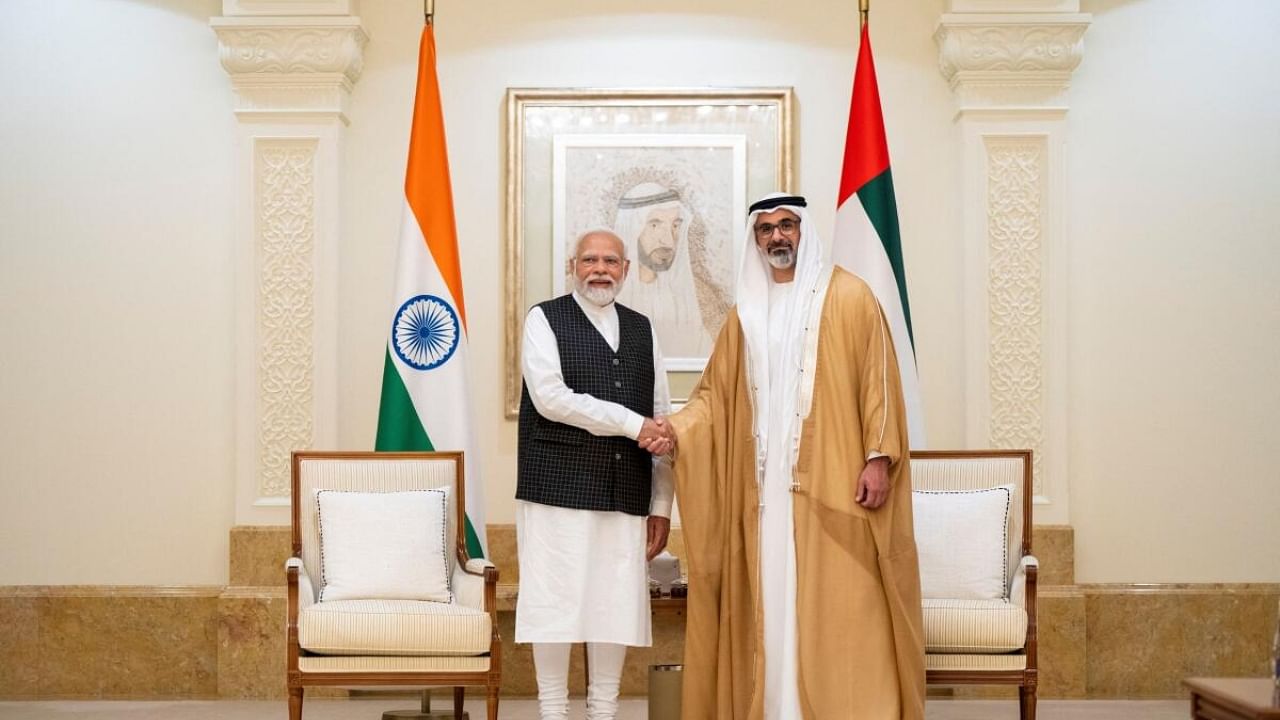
[(400, 430), (473, 541), (398, 425), (881, 206)]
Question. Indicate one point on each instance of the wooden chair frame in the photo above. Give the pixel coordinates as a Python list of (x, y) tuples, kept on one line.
[(459, 680), (1025, 679)]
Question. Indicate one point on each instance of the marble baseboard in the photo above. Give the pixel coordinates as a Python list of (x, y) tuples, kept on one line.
[(1096, 641), (251, 653), (1143, 639), (19, 644), (1055, 547), (107, 642), (258, 553)]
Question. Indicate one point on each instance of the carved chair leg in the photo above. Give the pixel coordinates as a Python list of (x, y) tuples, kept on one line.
[(493, 702), (459, 694), (295, 703), (1027, 702)]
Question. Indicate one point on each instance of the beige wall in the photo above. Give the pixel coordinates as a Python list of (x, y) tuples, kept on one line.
[(1175, 293), (115, 279), (115, 258)]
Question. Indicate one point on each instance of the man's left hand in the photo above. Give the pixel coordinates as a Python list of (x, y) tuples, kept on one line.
[(659, 528), (873, 483)]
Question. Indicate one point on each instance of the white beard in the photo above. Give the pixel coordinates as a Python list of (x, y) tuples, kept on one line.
[(598, 296)]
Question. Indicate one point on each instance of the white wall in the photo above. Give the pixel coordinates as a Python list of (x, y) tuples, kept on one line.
[(1175, 293), (115, 279), (116, 259)]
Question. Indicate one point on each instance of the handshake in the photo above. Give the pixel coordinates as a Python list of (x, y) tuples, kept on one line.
[(657, 436)]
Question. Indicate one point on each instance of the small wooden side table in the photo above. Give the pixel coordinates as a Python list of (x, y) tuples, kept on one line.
[(1233, 699)]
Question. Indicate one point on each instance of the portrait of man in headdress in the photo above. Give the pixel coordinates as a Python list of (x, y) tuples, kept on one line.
[(654, 223), (672, 205)]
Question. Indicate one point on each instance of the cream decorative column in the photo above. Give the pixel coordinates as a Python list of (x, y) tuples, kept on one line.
[(1009, 63), (292, 65)]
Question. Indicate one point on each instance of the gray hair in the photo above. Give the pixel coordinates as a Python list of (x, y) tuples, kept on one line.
[(600, 230)]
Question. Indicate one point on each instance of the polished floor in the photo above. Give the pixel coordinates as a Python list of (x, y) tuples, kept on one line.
[(372, 709)]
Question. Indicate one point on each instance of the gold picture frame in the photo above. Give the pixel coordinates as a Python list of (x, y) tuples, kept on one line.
[(750, 129)]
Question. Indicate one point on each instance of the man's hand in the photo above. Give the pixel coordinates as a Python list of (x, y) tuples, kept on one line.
[(657, 436), (659, 528), (873, 484)]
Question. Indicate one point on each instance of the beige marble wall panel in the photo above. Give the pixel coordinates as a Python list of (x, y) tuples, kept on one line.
[(1143, 640), (251, 643), (1055, 547), (128, 642), (502, 552), (1062, 643), (19, 643), (258, 553), (517, 660)]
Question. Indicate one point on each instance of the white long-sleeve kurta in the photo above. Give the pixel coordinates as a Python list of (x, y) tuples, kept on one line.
[(583, 575)]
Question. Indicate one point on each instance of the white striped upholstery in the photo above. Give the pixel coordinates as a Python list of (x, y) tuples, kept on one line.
[(368, 476), (975, 662), (973, 626), (978, 473), (393, 627), (468, 589), (356, 664)]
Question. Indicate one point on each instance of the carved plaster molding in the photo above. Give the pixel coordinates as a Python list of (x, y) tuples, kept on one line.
[(285, 237), (1010, 61), (291, 65), (1016, 359)]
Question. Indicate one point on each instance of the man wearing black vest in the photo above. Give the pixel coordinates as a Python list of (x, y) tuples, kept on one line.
[(592, 507)]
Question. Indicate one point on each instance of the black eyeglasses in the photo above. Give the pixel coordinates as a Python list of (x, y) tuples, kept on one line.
[(786, 226)]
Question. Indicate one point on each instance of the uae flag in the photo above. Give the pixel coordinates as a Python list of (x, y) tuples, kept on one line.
[(426, 399), (866, 239)]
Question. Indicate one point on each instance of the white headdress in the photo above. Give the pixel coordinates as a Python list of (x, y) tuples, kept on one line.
[(801, 319)]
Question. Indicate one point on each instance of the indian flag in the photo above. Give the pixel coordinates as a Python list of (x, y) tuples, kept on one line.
[(866, 238), (426, 400)]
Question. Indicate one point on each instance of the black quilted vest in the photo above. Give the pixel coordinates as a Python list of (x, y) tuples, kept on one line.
[(566, 466)]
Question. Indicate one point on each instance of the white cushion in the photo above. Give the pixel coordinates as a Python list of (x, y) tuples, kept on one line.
[(962, 540), (973, 626), (393, 627), (383, 545)]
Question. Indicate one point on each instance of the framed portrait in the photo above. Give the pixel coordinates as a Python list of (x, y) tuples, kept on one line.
[(671, 172)]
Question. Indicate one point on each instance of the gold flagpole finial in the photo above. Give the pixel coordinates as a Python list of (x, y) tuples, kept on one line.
[(429, 10), (864, 9)]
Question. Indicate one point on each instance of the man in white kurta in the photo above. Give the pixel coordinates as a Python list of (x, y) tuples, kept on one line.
[(583, 573)]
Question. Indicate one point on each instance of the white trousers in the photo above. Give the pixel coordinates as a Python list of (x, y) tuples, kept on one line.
[(551, 663)]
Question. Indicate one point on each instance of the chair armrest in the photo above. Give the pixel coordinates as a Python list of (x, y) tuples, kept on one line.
[(1018, 588), (306, 591), (469, 582)]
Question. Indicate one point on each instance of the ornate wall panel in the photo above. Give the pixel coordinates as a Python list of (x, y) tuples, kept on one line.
[(1009, 65), (292, 65), (1015, 232), (284, 189)]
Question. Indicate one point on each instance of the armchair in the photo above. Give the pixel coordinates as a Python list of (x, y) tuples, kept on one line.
[(979, 640), (386, 641)]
